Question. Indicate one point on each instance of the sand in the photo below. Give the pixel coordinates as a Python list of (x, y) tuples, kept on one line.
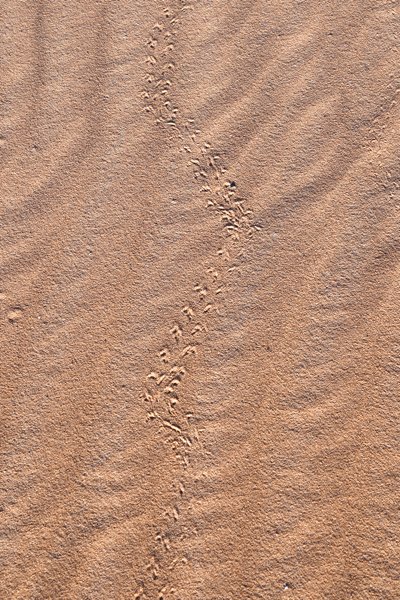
[(199, 297)]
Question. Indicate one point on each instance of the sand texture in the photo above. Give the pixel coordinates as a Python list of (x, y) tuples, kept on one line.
[(199, 299)]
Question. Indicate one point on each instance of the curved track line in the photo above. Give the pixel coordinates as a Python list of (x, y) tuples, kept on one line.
[(163, 387)]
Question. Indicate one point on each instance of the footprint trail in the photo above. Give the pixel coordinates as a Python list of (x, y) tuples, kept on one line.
[(164, 387)]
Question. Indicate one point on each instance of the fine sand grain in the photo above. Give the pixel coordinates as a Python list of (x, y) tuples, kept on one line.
[(199, 296)]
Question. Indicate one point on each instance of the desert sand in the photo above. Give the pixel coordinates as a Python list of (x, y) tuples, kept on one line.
[(199, 300)]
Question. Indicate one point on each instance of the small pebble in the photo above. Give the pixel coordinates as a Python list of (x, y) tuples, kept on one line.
[(14, 315)]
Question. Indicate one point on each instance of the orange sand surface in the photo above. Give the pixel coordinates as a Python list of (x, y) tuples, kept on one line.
[(199, 296)]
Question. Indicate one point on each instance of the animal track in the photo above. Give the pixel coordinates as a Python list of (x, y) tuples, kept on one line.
[(164, 389)]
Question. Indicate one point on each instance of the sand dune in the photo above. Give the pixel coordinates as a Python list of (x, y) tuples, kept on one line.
[(200, 295)]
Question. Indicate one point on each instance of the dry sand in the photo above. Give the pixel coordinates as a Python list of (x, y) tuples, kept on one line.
[(199, 299)]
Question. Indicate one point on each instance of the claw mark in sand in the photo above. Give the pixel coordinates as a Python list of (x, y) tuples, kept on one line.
[(163, 388)]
